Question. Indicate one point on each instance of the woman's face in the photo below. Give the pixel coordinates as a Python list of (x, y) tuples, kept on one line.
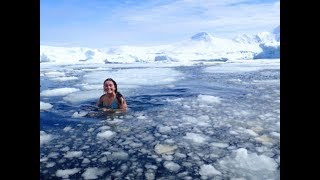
[(109, 87)]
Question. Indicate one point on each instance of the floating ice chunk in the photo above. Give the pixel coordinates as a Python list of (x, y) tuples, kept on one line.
[(149, 166), (72, 154), (169, 141), (257, 128), (92, 87), (90, 129), (164, 129), (251, 132), (219, 145), (93, 173), (251, 166), (45, 138), (141, 117), (44, 159), (238, 112), (275, 134), (66, 172), (50, 164), (121, 155), (106, 134), (204, 118), (189, 119), (114, 121), (81, 96), (135, 145), (102, 128), (264, 139), (62, 79), (167, 157), (79, 114), (208, 170), (66, 129), (54, 74), (85, 161), (180, 155), (58, 91), (171, 166), (45, 106), (164, 149), (53, 155), (207, 99), (233, 132), (197, 138), (150, 175)]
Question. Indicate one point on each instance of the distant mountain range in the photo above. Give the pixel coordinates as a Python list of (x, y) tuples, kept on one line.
[(200, 47)]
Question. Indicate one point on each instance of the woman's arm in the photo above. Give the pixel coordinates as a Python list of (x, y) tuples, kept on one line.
[(100, 101), (123, 105)]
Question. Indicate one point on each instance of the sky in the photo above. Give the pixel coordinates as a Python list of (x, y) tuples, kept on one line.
[(106, 23)]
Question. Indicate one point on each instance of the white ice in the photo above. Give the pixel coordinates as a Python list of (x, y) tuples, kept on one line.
[(165, 150), (65, 173), (45, 138), (45, 106), (58, 91)]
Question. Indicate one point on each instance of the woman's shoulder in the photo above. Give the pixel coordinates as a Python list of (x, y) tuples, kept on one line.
[(102, 96)]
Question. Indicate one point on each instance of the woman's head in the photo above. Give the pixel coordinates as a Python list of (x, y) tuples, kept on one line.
[(110, 86)]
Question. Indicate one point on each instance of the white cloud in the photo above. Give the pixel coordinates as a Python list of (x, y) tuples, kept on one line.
[(154, 22)]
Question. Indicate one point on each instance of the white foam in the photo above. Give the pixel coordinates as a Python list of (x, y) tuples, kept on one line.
[(45, 106), (58, 91), (93, 173)]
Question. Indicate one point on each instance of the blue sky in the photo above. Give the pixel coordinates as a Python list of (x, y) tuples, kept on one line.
[(106, 23)]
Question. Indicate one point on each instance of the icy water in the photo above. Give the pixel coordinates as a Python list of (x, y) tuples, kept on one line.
[(214, 121)]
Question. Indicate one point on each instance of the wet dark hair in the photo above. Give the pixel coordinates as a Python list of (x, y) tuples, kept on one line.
[(118, 94)]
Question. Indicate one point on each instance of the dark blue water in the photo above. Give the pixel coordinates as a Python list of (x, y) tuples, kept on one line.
[(171, 115)]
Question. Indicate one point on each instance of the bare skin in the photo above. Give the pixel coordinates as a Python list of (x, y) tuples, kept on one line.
[(109, 96)]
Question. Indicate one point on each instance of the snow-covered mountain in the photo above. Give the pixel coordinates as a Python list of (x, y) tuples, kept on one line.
[(201, 46)]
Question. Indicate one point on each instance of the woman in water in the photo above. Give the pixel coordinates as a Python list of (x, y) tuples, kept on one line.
[(111, 100)]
